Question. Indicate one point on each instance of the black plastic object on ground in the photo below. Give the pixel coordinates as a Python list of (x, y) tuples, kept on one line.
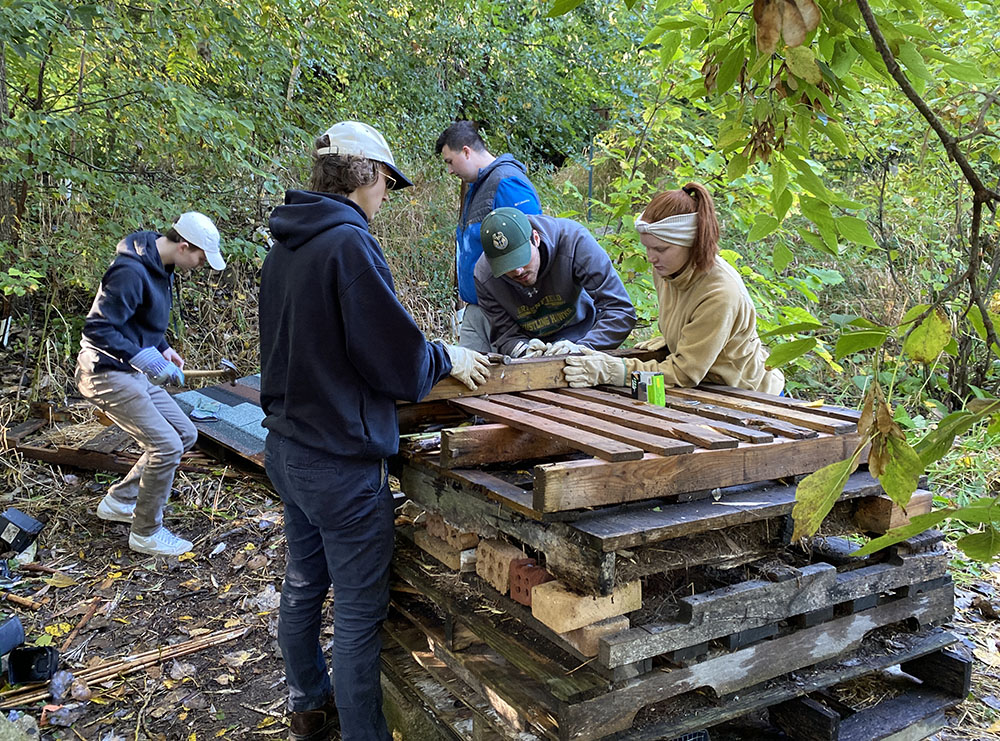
[(32, 664), (18, 530)]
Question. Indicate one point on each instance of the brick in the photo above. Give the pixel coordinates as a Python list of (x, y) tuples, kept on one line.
[(456, 538), (454, 558), (585, 639), (525, 575), (564, 610), (493, 559)]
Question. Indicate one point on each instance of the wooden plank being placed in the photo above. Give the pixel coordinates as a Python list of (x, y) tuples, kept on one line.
[(477, 445), (590, 483), (519, 375), (638, 414), (850, 415), (620, 400), (587, 442), (798, 415), (651, 443), (738, 417)]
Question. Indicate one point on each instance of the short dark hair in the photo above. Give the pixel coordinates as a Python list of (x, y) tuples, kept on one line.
[(174, 236), (460, 134), (340, 174)]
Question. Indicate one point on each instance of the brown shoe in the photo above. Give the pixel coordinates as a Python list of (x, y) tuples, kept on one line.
[(314, 725)]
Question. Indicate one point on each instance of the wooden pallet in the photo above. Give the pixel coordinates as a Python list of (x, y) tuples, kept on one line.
[(613, 449), (562, 695)]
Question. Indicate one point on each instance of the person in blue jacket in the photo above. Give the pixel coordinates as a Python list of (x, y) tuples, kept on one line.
[(337, 349), (493, 182), (125, 360)]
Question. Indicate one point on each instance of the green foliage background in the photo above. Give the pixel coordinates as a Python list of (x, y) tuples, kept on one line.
[(857, 201)]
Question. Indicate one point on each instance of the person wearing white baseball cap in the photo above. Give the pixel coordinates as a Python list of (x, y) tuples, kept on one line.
[(125, 360), (337, 349)]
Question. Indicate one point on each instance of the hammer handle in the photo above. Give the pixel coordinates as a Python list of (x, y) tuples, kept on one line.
[(206, 373)]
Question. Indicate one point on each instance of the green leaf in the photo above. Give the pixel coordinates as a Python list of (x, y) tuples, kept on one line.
[(779, 178), (855, 230), (984, 546), (668, 47), (929, 338), (781, 258), (977, 512), (836, 135), (781, 204), (813, 239), (729, 69), (730, 136), (654, 33), (949, 9), (818, 212), (816, 494), (762, 226), (916, 526), (792, 329), (853, 342), (809, 179), (561, 7), (737, 167), (788, 351), (965, 72), (902, 471), (910, 56), (802, 62), (938, 441)]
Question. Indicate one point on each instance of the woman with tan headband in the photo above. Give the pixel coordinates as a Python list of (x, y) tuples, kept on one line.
[(706, 318)]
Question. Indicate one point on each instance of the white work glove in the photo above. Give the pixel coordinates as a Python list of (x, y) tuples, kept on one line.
[(563, 347), (653, 343), (468, 366), (594, 368), (157, 368), (533, 348)]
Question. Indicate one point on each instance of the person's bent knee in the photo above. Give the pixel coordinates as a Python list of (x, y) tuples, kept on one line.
[(166, 452), (188, 436)]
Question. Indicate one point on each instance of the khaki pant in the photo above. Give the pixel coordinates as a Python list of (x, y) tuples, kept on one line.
[(153, 419)]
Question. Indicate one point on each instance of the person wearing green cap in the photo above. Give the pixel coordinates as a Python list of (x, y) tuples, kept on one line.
[(547, 287)]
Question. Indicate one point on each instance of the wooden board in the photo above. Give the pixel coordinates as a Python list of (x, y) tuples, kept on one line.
[(851, 415), (520, 375), (476, 445), (587, 442), (589, 483)]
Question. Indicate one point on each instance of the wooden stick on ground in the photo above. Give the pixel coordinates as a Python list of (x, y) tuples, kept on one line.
[(20, 601), (83, 621)]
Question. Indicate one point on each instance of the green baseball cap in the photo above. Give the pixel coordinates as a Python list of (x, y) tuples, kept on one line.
[(506, 237)]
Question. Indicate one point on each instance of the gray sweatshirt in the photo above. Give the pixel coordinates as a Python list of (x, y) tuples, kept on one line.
[(578, 295)]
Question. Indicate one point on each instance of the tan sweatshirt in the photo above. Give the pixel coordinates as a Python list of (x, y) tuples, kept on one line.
[(710, 325)]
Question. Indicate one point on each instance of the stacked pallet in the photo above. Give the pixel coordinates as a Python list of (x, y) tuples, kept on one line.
[(592, 567)]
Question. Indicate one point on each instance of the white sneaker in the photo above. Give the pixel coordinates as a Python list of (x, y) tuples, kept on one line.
[(111, 509), (161, 543)]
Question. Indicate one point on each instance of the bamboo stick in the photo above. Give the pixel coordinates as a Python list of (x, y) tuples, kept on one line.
[(83, 621)]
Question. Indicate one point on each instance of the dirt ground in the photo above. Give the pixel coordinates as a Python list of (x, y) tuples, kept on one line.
[(236, 689)]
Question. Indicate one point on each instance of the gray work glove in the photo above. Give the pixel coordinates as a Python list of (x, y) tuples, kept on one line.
[(468, 366), (533, 348), (157, 368), (653, 343), (563, 347), (594, 368)]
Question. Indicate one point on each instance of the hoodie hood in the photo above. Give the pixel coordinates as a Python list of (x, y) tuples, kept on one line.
[(503, 159), (307, 213), (141, 246)]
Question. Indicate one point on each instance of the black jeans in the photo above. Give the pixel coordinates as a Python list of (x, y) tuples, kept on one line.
[(339, 531)]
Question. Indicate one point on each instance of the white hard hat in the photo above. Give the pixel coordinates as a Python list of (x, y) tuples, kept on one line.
[(360, 139), (198, 230)]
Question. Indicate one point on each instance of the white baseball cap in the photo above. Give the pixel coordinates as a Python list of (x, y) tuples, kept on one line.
[(198, 230), (361, 140)]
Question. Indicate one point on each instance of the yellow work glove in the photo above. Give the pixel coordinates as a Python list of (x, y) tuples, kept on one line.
[(563, 347), (468, 366), (653, 343), (594, 368)]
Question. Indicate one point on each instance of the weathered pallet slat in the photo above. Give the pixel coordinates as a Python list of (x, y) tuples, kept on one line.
[(588, 442), (851, 415), (476, 445)]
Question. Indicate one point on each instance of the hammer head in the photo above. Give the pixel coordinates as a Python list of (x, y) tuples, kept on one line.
[(229, 371)]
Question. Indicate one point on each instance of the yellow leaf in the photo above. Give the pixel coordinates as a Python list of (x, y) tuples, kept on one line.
[(249, 547), (193, 736), (59, 629), (195, 632), (226, 588), (186, 556), (231, 623), (59, 579), (815, 404), (137, 597), (185, 617), (115, 575), (221, 733)]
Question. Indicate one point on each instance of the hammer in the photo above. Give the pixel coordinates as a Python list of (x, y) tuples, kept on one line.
[(226, 371)]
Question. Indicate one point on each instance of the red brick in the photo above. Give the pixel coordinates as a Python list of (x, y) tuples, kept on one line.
[(525, 574)]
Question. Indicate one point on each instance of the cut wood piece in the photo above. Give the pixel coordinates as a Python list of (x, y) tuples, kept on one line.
[(739, 417), (520, 375), (498, 490), (805, 719), (585, 639), (797, 415), (477, 445), (850, 415), (731, 427), (915, 715), (945, 670), (454, 558), (493, 559), (879, 515), (651, 443), (643, 416), (590, 483), (596, 445), (564, 610), (12, 436)]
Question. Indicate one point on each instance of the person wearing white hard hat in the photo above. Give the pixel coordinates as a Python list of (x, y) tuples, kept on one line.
[(337, 349), (125, 360)]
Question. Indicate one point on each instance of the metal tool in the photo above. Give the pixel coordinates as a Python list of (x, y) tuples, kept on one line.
[(226, 371), (498, 358)]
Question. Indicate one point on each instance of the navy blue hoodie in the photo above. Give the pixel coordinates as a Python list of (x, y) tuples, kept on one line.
[(131, 309), (337, 349)]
